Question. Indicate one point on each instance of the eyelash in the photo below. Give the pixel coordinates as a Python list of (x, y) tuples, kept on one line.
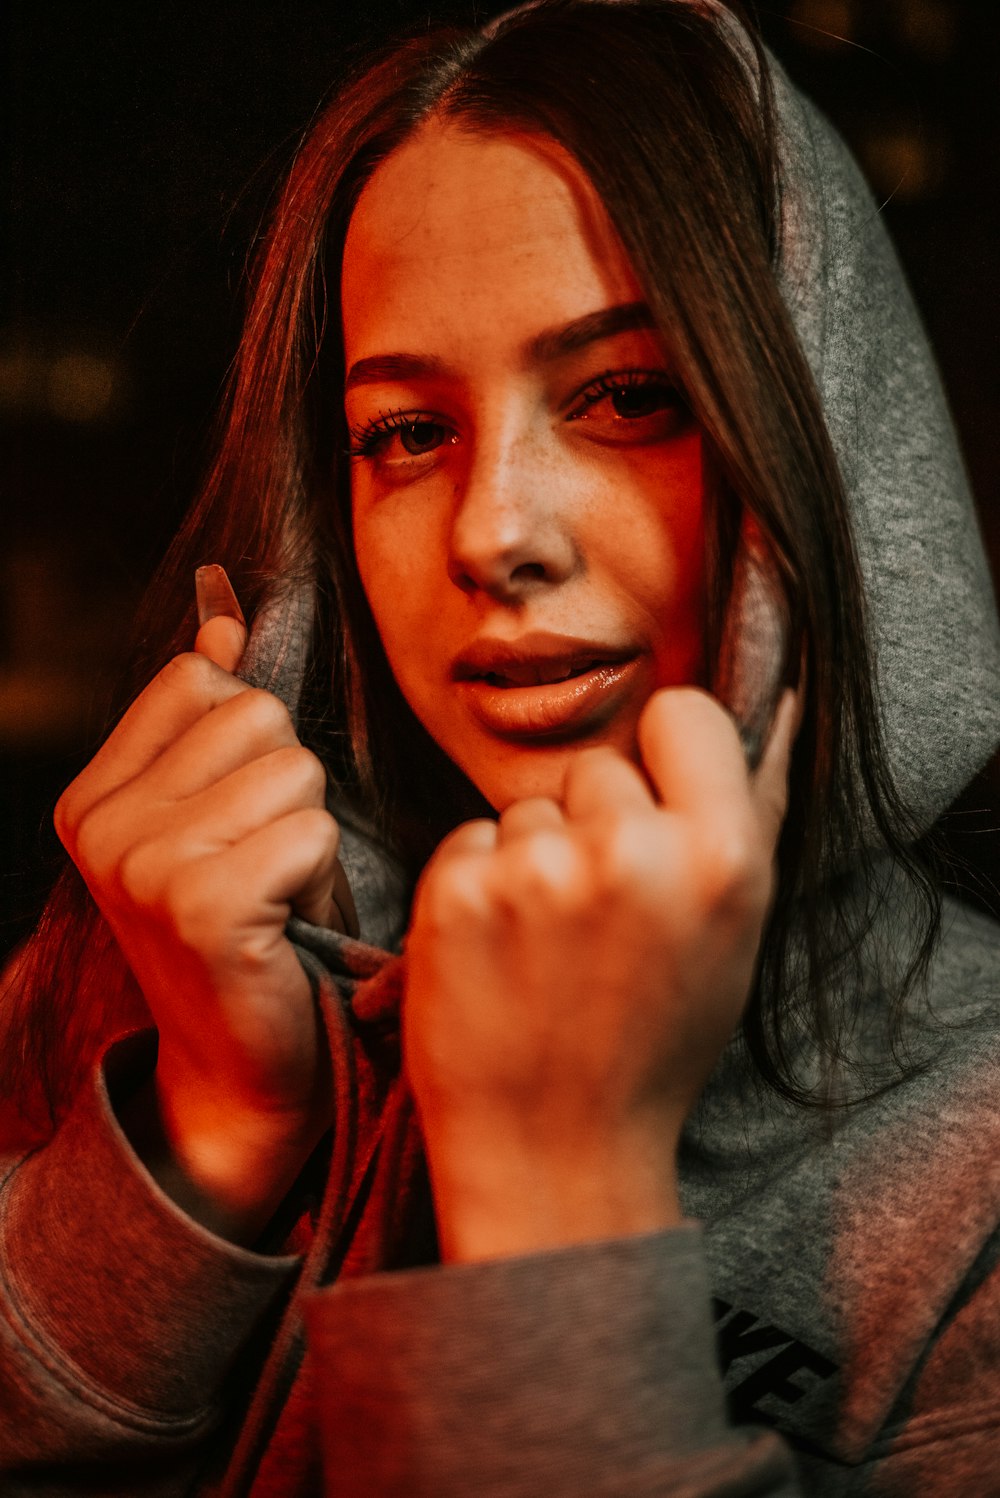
[(370, 435), (613, 380), (367, 438)]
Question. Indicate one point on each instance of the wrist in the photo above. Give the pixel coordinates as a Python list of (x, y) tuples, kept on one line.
[(497, 1199), (227, 1170)]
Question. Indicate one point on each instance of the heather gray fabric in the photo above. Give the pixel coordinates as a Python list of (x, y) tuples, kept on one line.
[(484, 1332), (934, 619), (850, 1266)]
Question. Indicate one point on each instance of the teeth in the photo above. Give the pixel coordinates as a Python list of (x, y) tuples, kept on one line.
[(537, 673), (555, 671)]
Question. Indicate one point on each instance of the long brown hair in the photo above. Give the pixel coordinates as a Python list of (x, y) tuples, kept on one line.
[(674, 123)]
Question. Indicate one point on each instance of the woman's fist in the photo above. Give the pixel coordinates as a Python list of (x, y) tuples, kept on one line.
[(574, 972), (199, 827)]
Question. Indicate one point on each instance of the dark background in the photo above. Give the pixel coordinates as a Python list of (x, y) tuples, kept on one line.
[(141, 147)]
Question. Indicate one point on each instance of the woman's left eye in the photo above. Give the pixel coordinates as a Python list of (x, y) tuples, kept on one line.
[(631, 405)]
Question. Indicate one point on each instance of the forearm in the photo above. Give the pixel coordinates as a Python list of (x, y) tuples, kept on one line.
[(121, 1318)]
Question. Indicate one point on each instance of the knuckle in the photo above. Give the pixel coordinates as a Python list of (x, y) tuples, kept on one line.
[(466, 840), (135, 874), (317, 827), (73, 808), (453, 892), (92, 849), (65, 817), (187, 672), (266, 714), (311, 776), (262, 718), (141, 873), (188, 678), (624, 859), (544, 873), (736, 878), (189, 904), (299, 773)]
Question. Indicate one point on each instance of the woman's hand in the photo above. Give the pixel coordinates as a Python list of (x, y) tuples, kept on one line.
[(573, 973), (198, 827)]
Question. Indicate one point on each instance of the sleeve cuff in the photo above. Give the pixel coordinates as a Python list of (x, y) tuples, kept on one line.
[(113, 1283), (562, 1372)]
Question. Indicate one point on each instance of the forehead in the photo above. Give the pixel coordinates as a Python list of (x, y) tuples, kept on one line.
[(468, 236)]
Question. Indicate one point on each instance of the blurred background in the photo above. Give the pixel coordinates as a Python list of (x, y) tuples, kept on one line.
[(141, 145)]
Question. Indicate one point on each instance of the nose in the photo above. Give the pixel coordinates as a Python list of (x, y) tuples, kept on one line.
[(511, 527)]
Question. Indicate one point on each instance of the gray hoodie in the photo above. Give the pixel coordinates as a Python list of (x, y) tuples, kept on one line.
[(828, 1322)]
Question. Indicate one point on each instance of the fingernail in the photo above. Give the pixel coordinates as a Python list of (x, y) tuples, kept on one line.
[(214, 595)]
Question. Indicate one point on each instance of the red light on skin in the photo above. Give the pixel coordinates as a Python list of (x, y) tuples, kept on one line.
[(523, 462)]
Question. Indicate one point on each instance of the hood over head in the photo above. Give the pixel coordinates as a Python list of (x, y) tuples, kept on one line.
[(932, 611)]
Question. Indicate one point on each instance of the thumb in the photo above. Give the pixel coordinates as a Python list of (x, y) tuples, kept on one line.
[(222, 632)]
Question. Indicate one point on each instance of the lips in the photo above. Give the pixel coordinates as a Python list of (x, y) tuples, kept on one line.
[(535, 659), (546, 686)]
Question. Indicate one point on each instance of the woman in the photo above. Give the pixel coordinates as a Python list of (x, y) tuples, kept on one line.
[(583, 434)]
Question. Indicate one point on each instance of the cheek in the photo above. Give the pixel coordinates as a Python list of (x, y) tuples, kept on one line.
[(665, 543), (378, 564), (665, 535), (393, 566), (683, 496)]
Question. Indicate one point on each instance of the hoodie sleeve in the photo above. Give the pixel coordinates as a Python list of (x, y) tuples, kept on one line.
[(120, 1319), (583, 1370)]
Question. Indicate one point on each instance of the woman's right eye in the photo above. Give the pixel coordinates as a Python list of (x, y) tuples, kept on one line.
[(421, 437), (399, 437)]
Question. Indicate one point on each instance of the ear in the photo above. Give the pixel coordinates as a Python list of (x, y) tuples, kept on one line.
[(755, 657)]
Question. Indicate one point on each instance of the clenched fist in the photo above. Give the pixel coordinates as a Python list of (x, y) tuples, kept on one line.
[(574, 971), (199, 827)]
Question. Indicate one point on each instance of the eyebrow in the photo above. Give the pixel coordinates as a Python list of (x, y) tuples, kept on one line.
[(544, 348), (555, 343)]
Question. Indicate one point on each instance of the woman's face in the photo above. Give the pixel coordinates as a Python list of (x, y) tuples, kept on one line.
[(527, 486)]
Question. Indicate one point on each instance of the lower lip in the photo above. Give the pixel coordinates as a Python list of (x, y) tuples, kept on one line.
[(555, 709)]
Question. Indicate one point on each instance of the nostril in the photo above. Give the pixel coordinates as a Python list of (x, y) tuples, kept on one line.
[(500, 581), (529, 572)]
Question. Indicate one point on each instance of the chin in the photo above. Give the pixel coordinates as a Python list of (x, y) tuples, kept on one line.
[(520, 771)]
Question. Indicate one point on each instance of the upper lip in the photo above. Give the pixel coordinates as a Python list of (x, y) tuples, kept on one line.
[(538, 650)]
